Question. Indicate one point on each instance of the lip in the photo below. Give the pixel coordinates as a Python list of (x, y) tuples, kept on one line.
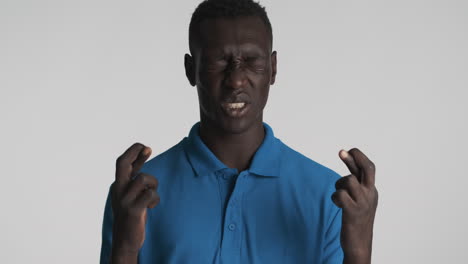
[(235, 112), (237, 98)]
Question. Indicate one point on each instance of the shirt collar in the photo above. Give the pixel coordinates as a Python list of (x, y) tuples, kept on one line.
[(266, 160)]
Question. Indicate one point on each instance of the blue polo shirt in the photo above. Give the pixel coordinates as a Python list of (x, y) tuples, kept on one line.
[(277, 211)]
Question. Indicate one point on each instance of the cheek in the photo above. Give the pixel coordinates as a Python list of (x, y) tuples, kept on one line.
[(262, 83), (208, 83), (204, 97), (207, 99), (264, 97)]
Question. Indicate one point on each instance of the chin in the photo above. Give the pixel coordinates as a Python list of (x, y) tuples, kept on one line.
[(235, 126), (238, 125), (232, 125)]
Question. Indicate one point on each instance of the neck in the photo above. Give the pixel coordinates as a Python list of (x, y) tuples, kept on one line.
[(235, 150)]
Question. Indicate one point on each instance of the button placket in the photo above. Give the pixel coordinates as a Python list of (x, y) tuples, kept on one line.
[(233, 226)]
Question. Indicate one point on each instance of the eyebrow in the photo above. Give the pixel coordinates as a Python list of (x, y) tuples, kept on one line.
[(244, 49)]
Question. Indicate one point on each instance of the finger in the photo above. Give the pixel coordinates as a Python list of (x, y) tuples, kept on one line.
[(141, 159), (154, 201), (351, 184), (350, 163), (365, 165), (124, 164), (141, 183), (342, 199), (147, 199)]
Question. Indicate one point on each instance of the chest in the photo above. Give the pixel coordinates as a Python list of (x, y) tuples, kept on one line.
[(230, 218)]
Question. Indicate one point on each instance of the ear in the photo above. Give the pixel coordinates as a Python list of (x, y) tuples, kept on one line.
[(189, 64), (273, 67)]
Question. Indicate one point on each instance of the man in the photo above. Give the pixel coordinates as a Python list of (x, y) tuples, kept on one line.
[(231, 192)]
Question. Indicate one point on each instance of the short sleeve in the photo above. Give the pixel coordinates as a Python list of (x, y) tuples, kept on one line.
[(106, 244), (333, 254)]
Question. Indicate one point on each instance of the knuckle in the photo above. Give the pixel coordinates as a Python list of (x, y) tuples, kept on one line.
[(150, 180), (354, 150), (149, 193), (334, 195), (345, 182), (137, 145), (153, 202), (144, 179), (340, 194), (154, 183), (140, 179), (137, 180), (338, 184), (334, 198), (144, 194), (154, 196), (353, 179), (145, 176), (124, 157)]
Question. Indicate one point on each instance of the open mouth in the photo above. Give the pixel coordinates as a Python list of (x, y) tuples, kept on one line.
[(237, 109)]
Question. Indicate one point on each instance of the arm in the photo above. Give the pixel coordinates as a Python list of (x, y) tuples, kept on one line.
[(357, 196)]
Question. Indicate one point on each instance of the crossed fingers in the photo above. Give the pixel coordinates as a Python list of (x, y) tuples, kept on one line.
[(134, 188), (353, 190)]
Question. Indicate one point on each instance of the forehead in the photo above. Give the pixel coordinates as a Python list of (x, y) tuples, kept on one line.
[(233, 33)]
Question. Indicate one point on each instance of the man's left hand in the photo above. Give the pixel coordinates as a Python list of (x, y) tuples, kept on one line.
[(357, 196)]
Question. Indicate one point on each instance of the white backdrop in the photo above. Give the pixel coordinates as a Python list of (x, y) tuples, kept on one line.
[(81, 81)]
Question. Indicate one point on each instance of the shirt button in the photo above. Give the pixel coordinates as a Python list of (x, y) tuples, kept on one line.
[(232, 227)]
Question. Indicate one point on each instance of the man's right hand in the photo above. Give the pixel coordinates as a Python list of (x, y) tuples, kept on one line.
[(132, 193)]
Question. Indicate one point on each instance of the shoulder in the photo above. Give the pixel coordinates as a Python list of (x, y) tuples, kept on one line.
[(300, 167), (166, 160), (313, 183)]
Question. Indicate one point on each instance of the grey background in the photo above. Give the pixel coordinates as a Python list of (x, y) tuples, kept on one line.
[(81, 81)]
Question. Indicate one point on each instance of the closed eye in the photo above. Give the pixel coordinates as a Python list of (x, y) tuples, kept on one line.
[(256, 63)]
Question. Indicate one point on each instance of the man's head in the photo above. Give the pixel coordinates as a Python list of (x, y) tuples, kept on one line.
[(211, 9), (231, 62)]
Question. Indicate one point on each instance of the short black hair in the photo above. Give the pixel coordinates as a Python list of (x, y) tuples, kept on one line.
[(226, 9)]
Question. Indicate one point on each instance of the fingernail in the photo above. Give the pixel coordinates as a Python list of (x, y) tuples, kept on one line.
[(344, 154), (147, 151)]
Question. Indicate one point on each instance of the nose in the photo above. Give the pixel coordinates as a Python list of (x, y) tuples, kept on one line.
[(236, 78)]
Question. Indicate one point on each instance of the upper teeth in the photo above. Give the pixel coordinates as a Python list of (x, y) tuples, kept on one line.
[(236, 105)]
